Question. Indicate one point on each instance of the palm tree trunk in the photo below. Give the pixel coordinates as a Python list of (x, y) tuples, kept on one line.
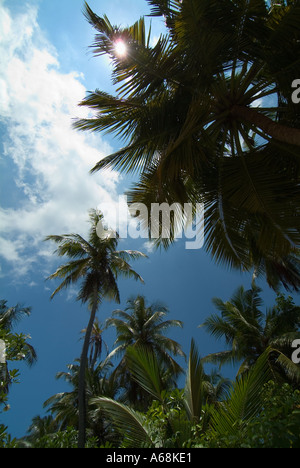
[(81, 379), (273, 129)]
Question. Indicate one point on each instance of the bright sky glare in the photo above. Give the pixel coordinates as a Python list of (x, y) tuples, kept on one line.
[(120, 48)]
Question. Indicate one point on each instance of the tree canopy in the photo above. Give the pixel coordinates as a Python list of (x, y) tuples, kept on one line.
[(206, 115)]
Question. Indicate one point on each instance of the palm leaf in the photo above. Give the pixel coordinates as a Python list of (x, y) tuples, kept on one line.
[(194, 385), (145, 370), (130, 254), (131, 424), (244, 401), (164, 7), (9, 316), (291, 369)]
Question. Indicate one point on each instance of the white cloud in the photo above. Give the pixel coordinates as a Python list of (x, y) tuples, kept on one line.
[(149, 246), (37, 105), (9, 250)]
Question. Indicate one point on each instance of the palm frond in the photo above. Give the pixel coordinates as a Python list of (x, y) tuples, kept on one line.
[(121, 268), (145, 370), (131, 424), (291, 369), (194, 385), (71, 272), (164, 7), (9, 316), (244, 401), (72, 245), (128, 255)]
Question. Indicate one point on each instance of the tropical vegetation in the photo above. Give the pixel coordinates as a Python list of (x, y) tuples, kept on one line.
[(17, 347), (206, 117), (142, 325), (249, 332), (187, 407)]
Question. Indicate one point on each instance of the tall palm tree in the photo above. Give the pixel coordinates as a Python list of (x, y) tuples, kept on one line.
[(96, 264), (207, 116), (144, 325), (248, 331)]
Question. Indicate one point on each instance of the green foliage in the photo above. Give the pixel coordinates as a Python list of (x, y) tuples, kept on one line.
[(248, 331), (254, 410), (62, 439), (142, 328), (169, 422), (278, 424), (275, 426), (199, 415), (6, 440), (244, 401), (17, 348)]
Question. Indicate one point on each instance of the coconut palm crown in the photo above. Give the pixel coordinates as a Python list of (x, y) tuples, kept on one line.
[(206, 116)]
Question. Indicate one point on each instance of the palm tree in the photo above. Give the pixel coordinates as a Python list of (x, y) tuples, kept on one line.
[(141, 324), (64, 406), (17, 346), (240, 405), (96, 343), (39, 428), (144, 325), (96, 264), (249, 332), (9, 317), (207, 116)]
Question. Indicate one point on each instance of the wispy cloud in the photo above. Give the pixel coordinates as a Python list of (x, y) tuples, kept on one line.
[(37, 104)]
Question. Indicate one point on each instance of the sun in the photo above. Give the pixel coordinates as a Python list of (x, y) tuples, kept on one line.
[(120, 48)]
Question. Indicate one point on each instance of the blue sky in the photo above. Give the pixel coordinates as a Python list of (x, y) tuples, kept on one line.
[(46, 68)]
